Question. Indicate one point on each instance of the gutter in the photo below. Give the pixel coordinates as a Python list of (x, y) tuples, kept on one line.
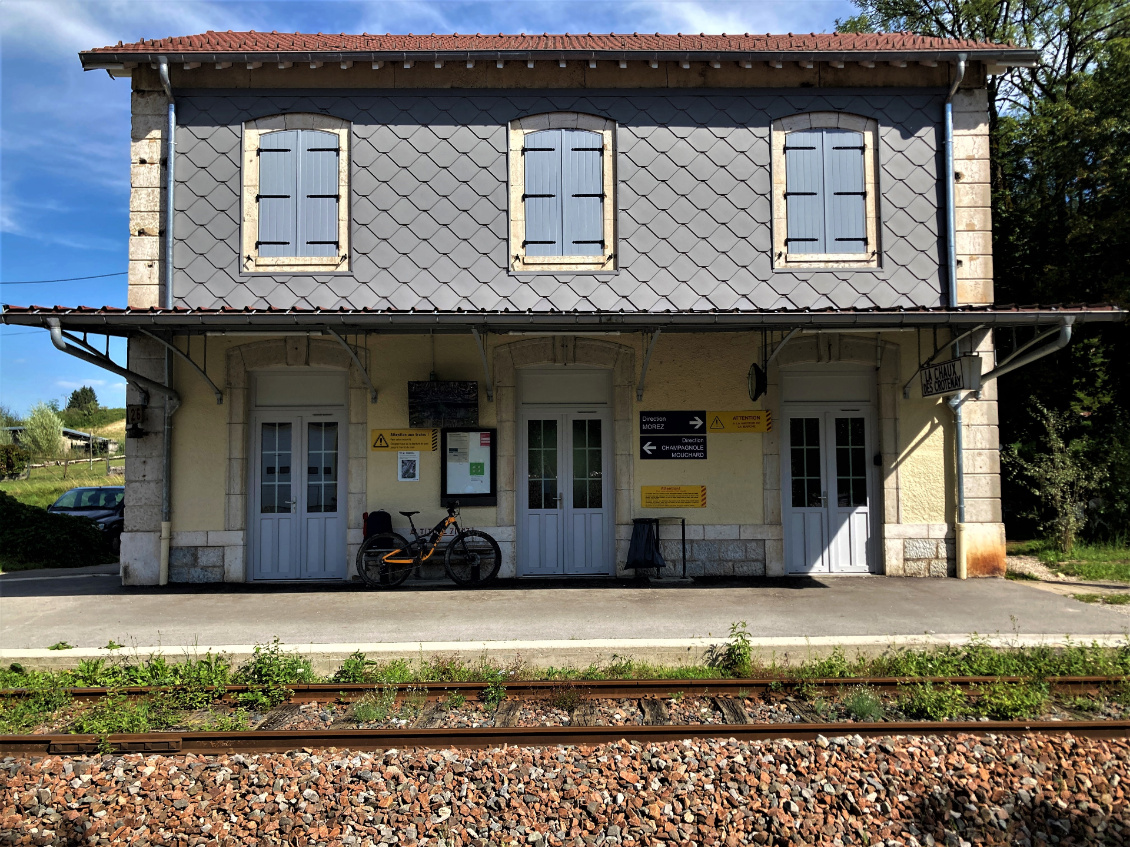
[(95, 60), (170, 407), (290, 321)]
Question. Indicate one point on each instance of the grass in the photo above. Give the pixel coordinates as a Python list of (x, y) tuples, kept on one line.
[(47, 484), (1019, 576), (1104, 599), (1086, 561), (193, 682)]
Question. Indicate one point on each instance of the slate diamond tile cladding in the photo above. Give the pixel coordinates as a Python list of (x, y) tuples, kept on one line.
[(429, 204)]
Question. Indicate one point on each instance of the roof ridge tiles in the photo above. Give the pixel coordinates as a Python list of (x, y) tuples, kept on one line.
[(253, 41)]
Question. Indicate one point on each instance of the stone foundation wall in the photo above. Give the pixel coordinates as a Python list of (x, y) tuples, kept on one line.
[(207, 557), (919, 550), (712, 550)]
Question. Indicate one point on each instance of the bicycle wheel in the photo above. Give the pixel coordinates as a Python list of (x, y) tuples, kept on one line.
[(472, 558), (371, 565)]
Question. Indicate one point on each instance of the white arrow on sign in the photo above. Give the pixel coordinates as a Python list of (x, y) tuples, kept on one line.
[(649, 448), (696, 422)]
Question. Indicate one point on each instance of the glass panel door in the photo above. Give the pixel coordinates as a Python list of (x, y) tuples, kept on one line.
[(806, 521), (323, 526), (826, 513), (849, 518), (542, 520), (589, 524), (277, 526), (299, 526)]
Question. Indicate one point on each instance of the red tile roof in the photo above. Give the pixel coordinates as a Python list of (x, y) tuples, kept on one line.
[(254, 42)]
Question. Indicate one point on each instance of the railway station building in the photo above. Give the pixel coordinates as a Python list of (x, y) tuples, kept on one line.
[(741, 283)]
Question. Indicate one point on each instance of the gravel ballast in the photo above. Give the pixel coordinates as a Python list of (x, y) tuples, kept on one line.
[(953, 791)]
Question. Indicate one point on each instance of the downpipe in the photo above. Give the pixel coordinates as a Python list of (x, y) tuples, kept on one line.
[(170, 405), (951, 251)]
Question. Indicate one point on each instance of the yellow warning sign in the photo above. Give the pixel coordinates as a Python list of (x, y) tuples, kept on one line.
[(673, 496), (752, 421), (405, 439)]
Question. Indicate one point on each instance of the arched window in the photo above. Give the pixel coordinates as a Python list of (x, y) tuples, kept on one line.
[(562, 193), (295, 194), (824, 203)]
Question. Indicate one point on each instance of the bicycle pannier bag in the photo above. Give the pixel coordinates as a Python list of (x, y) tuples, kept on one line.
[(377, 522)]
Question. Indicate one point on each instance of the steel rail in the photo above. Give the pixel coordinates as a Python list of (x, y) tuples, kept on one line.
[(280, 741), (607, 689)]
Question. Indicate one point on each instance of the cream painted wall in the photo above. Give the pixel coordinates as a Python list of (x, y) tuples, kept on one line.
[(200, 443), (705, 372), (925, 463), (397, 360)]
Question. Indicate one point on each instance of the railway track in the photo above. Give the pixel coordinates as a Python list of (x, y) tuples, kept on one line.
[(606, 689), (650, 694)]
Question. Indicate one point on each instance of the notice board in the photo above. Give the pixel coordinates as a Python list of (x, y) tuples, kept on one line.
[(469, 467), (437, 403)]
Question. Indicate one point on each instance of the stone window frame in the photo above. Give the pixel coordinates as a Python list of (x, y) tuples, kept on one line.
[(250, 260), (779, 131), (518, 130)]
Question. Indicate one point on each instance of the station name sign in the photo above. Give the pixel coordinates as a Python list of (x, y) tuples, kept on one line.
[(961, 374)]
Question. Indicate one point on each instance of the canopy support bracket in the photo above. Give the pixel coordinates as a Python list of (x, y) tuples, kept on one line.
[(486, 369), (174, 349), (360, 367), (73, 346), (647, 361)]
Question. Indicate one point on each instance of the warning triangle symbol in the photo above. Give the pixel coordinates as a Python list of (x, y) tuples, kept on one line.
[(717, 423), (380, 442)]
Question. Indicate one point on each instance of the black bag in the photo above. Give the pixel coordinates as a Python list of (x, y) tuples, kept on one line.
[(643, 551), (377, 522)]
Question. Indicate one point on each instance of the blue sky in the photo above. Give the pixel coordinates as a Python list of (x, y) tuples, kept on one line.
[(64, 134)]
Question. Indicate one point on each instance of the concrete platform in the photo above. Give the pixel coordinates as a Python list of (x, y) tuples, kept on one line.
[(543, 622)]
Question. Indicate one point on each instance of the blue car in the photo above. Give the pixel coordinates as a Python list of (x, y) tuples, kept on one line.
[(105, 506)]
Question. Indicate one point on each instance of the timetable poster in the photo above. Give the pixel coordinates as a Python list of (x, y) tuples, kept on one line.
[(469, 465)]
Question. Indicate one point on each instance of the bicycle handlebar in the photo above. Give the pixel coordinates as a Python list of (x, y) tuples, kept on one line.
[(453, 509)]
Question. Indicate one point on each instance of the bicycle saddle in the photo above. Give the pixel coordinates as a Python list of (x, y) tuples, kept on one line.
[(409, 514)]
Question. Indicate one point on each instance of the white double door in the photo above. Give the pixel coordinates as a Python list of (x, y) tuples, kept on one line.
[(828, 482), (298, 508), (564, 492)]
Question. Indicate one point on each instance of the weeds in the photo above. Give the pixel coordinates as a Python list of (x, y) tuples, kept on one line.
[(61, 645), (1008, 702), (376, 706), (926, 701), (454, 700), (566, 696), (677, 696), (1104, 599), (494, 693), (267, 673), (863, 704), (737, 656)]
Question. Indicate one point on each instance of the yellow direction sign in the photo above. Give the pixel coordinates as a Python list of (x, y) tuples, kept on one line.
[(752, 421), (404, 439), (673, 496)]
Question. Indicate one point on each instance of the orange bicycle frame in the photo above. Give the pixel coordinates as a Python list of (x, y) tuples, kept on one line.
[(389, 560)]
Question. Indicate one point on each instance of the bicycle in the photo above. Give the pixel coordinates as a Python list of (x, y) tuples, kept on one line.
[(471, 558)]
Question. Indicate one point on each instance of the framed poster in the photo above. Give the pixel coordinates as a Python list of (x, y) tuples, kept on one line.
[(408, 466), (437, 403), (468, 467)]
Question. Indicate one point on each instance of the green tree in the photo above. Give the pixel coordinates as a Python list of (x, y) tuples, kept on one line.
[(43, 433), (1060, 475), (83, 400), (1069, 35), (7, 418)]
